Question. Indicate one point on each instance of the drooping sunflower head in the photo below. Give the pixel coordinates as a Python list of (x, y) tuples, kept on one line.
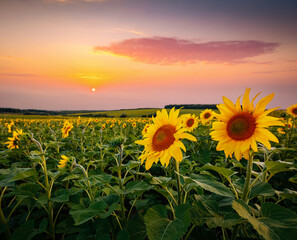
[(63, 162), (162, 140), (292, 110), (206, 116), (281, 131), (240, 127), (14, 141), (66, 128), (190, 122)]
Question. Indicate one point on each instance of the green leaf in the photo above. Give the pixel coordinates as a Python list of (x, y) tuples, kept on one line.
[(281, 214), (287, 194), (227, 173), (101, 179), (71, 177), (275, 167), (81, 215), (163, 181), (262, 189), (25, 173), (262, 228), (61, 195), (136, 228), (103, 229), (211, 185), (159, 227), (182, 212), (283, 221), (123, 235), (27, 190), (137, 187), (204, 156)]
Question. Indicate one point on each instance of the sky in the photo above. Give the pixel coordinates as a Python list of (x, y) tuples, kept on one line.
[(145, 53)]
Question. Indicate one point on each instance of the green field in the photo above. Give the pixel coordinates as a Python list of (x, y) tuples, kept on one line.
[(81, 178)]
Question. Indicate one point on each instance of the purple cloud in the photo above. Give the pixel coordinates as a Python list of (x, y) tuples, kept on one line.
[(167, 51)]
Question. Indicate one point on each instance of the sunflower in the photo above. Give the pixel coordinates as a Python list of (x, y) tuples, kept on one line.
[(13, 142), (289, 123), (190, 122), (240, 127), (63, 162), (134, 124), (206, 116), (144, 131), (281, 131), (162, 139), (292, 110), (66, 129), (124, 125)]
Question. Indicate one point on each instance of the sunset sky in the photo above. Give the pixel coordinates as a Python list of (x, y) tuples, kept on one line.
[(145, 53)]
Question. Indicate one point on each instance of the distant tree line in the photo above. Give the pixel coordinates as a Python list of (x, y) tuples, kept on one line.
[(192, 106), (42, 112)]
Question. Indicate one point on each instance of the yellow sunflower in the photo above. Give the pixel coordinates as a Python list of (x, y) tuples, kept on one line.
[(281, 131), (124, 125), (240, 127), (66, 129), (144, 131), (163, 139), (292, 110), (134, 124), (13, 142), (206, 116), (63, 162), (190, 122)]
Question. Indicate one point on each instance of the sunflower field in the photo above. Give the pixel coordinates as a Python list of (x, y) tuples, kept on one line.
[(226, 175)]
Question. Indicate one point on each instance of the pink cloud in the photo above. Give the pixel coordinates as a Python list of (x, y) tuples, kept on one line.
[(161, 50)]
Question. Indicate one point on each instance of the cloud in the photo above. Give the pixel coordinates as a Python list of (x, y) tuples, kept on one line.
[(277, 71), (129, 31), (75, 1), (18, 75), (167, 51)]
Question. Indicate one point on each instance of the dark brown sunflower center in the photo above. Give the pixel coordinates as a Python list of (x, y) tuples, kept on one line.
[(294, 111), (190, 122), (15, 142), (67, 130), (241, 126), (206, 115), (163, 137)]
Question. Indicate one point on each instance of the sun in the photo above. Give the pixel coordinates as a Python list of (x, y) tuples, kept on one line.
[(93, 89)]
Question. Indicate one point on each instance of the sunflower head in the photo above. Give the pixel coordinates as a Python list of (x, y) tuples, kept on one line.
[(66, 128), (144, 131), (206, 116), (240, 127), (162, 140), (63, 162), (292, 110), (281, 131), (190, 122), (14, 141)]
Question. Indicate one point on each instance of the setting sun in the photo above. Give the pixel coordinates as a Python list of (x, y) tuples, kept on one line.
[(93, 89)]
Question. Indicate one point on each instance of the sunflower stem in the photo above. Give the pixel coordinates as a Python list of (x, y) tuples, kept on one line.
[(179, 197), (246, 187), (245, 192)]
